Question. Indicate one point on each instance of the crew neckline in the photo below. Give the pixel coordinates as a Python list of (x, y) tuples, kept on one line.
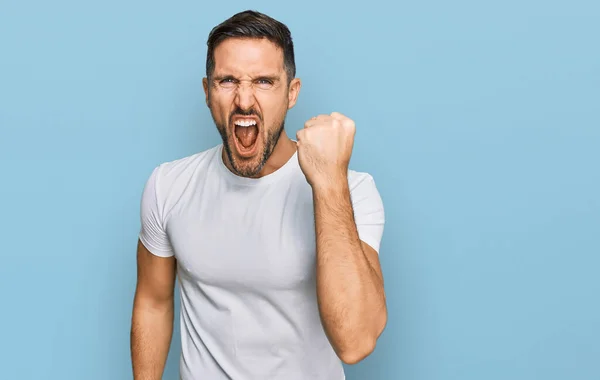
[(291, 163)]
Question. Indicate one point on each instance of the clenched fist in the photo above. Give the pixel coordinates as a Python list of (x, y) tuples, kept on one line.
[(324, 149)]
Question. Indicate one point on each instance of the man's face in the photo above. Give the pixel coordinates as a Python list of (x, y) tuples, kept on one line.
[(248, 96)]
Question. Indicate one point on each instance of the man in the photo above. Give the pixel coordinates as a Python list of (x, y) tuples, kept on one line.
[(275, 241)]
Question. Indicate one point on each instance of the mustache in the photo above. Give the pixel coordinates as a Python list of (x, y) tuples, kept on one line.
[(240, 112)]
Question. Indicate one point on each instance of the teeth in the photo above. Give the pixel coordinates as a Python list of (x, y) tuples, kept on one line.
[(245, 123)]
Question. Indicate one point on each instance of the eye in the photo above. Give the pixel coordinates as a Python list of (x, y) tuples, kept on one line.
[(227, 82), (264, 82)]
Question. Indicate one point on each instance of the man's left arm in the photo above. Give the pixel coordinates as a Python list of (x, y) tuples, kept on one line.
[(349, 220), (348, 224)]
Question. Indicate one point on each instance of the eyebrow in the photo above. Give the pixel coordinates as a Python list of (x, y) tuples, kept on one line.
[(271, 77), (221, 77)]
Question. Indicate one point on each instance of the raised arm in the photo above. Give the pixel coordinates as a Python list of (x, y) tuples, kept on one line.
[(349, 222)]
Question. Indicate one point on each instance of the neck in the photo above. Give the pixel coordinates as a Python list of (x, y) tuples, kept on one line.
[(283, 151)]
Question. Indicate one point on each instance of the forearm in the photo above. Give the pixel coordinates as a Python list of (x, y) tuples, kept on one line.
[(151, 333), (350, 292)]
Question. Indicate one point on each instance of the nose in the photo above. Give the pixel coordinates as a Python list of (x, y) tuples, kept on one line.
[(245, 97)]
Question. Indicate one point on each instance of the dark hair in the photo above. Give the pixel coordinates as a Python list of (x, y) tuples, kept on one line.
[(252, 24)]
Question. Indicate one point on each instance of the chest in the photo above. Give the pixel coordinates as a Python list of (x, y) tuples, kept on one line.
[(247, 238)]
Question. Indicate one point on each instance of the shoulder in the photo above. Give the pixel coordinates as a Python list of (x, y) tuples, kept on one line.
[(364, 193), (358, 179), (185, 166), (367, 204), (183, 169), (169, 178), (362, 184)]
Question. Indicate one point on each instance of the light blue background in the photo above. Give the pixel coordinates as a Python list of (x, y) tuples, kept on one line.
[(479, 121)]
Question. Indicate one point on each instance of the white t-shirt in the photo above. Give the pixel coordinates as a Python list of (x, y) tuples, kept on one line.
[(245, 251)]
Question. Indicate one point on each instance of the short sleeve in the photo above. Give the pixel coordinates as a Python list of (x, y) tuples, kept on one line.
[(153, 233), (368, 208)]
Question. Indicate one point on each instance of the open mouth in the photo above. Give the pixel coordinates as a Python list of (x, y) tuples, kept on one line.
[(245, 131)]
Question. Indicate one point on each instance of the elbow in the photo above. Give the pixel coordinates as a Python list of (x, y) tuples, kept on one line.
[(381, 322), (364, 345), (357, 353), (361, 348)]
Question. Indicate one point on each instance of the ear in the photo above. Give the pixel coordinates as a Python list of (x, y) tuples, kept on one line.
[(205, 85), (293, 91)]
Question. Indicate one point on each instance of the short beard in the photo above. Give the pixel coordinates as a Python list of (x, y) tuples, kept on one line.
[(269, 146)]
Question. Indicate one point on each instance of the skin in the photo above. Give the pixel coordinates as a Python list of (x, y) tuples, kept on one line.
[(249, 77), (350, 290), (152, 317)]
